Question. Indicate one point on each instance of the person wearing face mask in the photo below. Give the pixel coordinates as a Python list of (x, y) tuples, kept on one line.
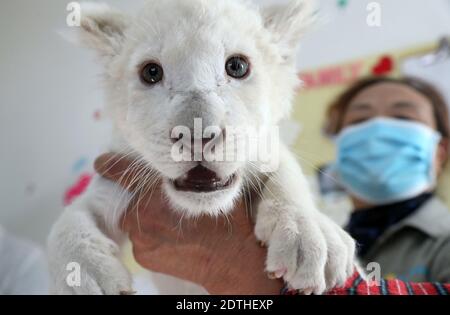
[(392, 144)]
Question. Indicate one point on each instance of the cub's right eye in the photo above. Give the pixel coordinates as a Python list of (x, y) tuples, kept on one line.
[(151, 73)]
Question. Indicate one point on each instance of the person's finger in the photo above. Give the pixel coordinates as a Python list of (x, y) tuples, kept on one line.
[(120, 170)]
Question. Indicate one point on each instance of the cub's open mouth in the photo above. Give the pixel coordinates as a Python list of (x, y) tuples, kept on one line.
[(202, 180)]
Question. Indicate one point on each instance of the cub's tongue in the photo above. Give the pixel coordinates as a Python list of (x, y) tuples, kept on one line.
[(200, 179)]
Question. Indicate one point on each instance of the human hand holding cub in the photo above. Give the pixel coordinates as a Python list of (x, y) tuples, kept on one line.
[(223, 254)]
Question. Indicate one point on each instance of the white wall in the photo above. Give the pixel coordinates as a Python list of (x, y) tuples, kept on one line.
[(48, 94), (49, 91)]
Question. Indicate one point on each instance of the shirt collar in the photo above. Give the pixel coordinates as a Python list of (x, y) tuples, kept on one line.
[(433, 218)]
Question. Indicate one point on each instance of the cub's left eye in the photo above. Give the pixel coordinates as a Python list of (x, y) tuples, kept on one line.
[(238, 67), (152, 73)]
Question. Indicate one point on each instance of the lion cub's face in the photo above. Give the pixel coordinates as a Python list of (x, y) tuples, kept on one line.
[(182, 75)]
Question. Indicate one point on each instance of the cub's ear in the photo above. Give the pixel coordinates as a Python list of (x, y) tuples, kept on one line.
[(102, 28), (289, 22)]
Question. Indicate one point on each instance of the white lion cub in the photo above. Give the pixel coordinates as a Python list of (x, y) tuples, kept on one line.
[(227, 63)]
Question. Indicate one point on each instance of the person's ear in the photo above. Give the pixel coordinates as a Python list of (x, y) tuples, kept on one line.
[(102, 28), (289, 22), (443, 153)]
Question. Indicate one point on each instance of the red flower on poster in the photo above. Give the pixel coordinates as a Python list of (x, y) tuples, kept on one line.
[(384, 66)]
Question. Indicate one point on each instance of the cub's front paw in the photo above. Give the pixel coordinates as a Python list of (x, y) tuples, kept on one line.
[(310, 252), (87, 267)]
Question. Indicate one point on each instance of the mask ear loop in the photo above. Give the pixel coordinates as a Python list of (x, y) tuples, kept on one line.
[(447, 150), (332, 168), (433, 169), (445, 142)]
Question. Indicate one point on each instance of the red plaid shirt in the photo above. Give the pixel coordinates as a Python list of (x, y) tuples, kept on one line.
[(356, 285)]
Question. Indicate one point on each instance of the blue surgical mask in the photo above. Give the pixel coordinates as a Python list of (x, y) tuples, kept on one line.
[(386, 160)]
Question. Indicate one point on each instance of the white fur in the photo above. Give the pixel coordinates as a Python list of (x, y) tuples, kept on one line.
[(192, 40)]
